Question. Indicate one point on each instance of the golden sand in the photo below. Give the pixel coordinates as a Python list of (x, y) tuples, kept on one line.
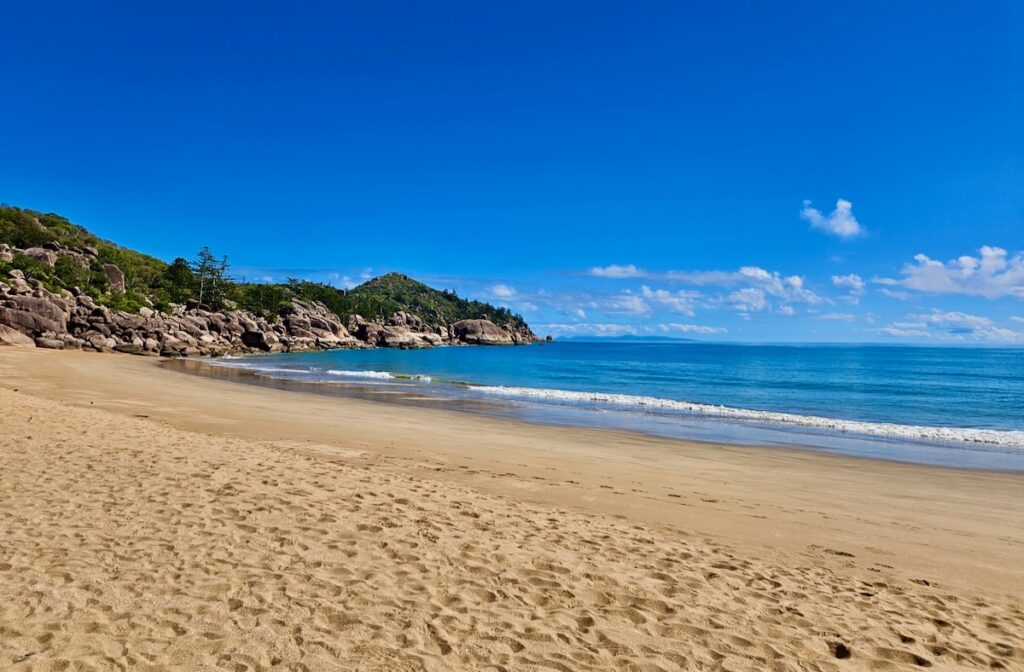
[(154, 520)]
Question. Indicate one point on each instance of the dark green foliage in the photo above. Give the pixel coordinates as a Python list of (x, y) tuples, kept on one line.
[(73, 273), (383, 296), (141, 271), (179, 281), (32, 268), (28, 228), (129, 302), (261, 299)]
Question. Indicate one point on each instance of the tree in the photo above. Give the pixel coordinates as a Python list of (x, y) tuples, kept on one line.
[(179, 281), (211, 275), (73, 271)]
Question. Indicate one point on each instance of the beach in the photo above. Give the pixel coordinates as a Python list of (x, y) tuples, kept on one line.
[(151, 519)]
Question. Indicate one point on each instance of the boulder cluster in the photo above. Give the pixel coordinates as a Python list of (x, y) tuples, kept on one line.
[(404, 330), (31, 315)]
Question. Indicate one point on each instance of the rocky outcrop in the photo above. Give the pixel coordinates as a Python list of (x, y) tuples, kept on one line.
[(31, 315), (481, 332)]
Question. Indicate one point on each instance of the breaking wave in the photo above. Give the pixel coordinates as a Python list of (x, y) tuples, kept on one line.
[(1006, 438)]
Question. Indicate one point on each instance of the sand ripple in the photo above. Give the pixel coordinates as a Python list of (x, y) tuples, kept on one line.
[(127, 545)]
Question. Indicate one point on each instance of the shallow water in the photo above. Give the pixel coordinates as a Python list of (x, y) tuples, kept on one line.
[(950, 406)]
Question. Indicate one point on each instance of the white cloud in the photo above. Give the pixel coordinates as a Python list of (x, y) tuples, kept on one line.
[(787, 311), (589, 329), (842, 317), (840, 222), (580, 313), (902, 333), (952, 326), (1018, 319), (852, 282), (788, 289), (617, 271), (678, 302), (953, 320), (895, 293), (691, 328), (503, 291), (992, 274), (629, 304), (748, 300)]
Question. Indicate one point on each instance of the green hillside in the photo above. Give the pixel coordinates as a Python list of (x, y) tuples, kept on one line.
[(22, 228), (151, 281), (383, 296)]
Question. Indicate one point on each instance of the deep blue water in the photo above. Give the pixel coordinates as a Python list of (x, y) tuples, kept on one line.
[(977, 393)]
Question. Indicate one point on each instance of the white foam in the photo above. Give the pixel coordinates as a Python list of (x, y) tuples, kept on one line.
[(263, 369), (999, 437), (375, 375)]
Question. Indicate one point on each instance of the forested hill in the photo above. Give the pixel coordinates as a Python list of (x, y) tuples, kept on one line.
[(38, 238), (387, 294)]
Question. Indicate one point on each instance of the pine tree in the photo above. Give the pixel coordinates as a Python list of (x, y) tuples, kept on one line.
[(211, 274)]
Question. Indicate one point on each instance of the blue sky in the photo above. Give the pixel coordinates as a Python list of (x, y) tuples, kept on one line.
[(749, 171)]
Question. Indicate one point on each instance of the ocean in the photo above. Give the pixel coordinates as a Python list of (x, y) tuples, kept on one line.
[(961, 407)]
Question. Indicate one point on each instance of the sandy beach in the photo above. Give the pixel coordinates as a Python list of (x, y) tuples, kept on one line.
[(151, 519)]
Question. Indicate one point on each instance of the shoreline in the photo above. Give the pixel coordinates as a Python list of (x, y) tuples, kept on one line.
[(419, 538), (832, 436)]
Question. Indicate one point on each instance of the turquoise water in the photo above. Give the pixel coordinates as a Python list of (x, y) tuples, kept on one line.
[(954, 406)]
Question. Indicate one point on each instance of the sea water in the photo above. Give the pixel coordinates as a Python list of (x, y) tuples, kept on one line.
[(947, 406)]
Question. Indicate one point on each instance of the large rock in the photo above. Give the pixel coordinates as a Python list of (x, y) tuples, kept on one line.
[(43, 303), (400, 337), (259, 340), (48, 257), (480, 332), (12, 337), (6, 252), (116, 278), (27, 322)]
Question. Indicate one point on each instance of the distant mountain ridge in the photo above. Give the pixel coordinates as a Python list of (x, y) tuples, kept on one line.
[(51, 265)]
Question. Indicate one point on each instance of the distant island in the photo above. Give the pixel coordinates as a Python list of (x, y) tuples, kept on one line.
[(63, 287)]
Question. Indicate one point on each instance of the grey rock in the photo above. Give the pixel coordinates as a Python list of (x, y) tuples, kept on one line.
[(48, 257), (481, 332), (116, 278), (12, 337)]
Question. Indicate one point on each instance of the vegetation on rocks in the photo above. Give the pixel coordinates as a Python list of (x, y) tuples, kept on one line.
[(66, 258)]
